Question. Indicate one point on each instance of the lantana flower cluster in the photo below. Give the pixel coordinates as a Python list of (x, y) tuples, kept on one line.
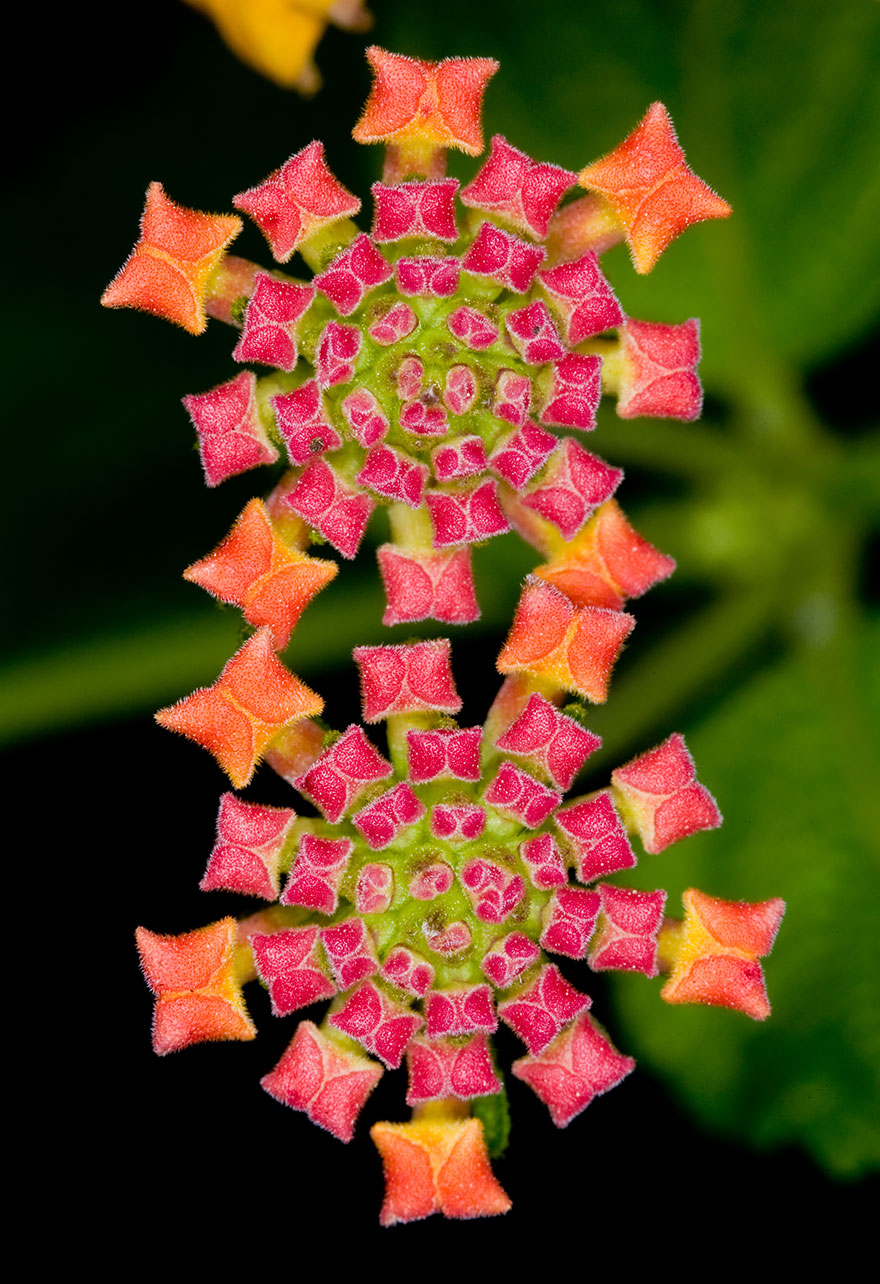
[(434, 367)]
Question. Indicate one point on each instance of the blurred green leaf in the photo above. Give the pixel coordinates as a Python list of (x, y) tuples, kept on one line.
[(793, 760)]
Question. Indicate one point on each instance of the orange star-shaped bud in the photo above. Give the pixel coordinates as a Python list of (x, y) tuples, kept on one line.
[(198, 996), (421, 108), (653, 192), (555, 641), (253, 568), (717, 951), (169, 270), (437, 1164), (254, 699)]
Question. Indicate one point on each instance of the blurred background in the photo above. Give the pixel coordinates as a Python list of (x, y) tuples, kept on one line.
[(762, 650)]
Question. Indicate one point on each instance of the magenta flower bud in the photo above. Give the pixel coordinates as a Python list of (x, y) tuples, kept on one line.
[(428, 277), (422, 585), (516, 794), (338, 349), (375, 889), (390, 473), (514, 187), (432, 881), (394, 325), (658, 371), (543, 861), (462, 458), (439, 1069), (351, 951), (449, 940), (364, 416), (457, 823), (415, 209), (466, 515), (247, 853), (578, 1066), (460, 391), (627, 934), (351, 276), (382, 821), (550, 740), (540, 1010), (568, 920), (582, 298), (572, 487), (461, 1010), (493, 890), (329, 1083), (513, 398), (534, 334), (231, 435), (504, 259), (508, 958), (321, 497), (271, 322), (520, 454), (408, 377), (572, 397), (379, 1023), (408, 970), (424, 420), (304, 424), (660, 797), (444, 754), (472, 328), (317, 871), (291, 966), (338, 778), (594, 833), (406, 679)]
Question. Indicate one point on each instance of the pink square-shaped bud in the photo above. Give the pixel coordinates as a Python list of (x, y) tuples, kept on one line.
[(542, 1009), (513, 398), (336, 357), (626, 939), (464, 457), (375, 889), (428, 277), (406, 679), (337, 510), (247, 853), (659, 376), (568, 920), (231, 434), (582, 297), (317, 871), (408, 377), (460, 392), (415, 209), (364, 416), (509, 958), (450, 754), (594, 833), (381, 821), (472, 328), (579, 1065), (439, 1068), (290, 965), (460, 1010), (503, 258), (543, 860), (296, 201), (425, 420), (351, 276), (457, 823), (551, 740), (396, 324), (378, 1023), (408, 970), (271, 321), (423, 585), (351, 951), (522, 191), (660, 798), (467, 515), (391, 473), (534, 334), (519, 455), (342, 773), (520, 796), (574, 392), (573, 486), (304, 424), (493, 890), (449, 940), (431, 881), (330, 1084)]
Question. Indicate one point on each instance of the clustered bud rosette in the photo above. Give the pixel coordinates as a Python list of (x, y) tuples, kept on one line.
[(427, 367)]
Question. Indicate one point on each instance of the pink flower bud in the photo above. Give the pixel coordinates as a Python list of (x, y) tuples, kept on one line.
[(466, 515), (428, 277), (464, 457), (391, 473), (232, 438), (579, 1065), (424, 585), (519, 455), (431, 881), (518, 189), (304, 424), (493, 890), (582, 297), (297, 201), (380, 1024), (658, 371), (290, 965), (516, 794), (472, 328), (342, 773), (271, 322), (364, 416), (460, 391), (351, 276), (659, 796), (513, 398), (409, 376), (247, 853), (394, 325), (448, 940), (627, 934), (574, 484), (381, 821), (424, 420), (415, 209), (534, 335), (539, 1011), (438, 1069), (338, 348), (568, 920), (460, 1010), (457, 823), (594, 833), (508, 958), (375, 889), (543, 860), (573, 395), (317, 871), (328, 1083), (408, 970), (503, 258), (351, 951), (406, 679), (551, 740), (337, 510), (444, 753)]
